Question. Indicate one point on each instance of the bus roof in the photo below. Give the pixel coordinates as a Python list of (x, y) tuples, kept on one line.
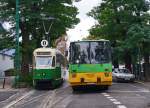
[(101, 40)]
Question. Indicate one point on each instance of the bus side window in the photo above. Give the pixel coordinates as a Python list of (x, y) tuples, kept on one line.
[(53, 62)]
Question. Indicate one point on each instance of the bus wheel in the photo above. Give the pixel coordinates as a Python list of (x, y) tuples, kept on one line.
[(105, 87), (75, 88)]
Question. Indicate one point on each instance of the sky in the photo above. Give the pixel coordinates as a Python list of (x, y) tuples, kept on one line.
[(81, 29)]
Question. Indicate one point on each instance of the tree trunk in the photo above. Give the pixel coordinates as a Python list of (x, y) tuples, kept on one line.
[(146, 67), (114, 55), (127, 60), (25, 56), (116, 63)]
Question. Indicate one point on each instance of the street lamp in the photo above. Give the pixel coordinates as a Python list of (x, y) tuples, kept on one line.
[(17, 59)]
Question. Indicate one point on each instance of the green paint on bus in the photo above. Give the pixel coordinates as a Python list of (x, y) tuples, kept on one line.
[(91, 68)]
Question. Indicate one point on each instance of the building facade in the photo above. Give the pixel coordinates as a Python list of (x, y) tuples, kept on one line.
[(6, 60)]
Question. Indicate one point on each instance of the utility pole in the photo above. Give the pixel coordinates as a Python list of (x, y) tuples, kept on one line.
[(17, 58)]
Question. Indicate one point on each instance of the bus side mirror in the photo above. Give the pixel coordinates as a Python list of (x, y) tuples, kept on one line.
[(66, 53)]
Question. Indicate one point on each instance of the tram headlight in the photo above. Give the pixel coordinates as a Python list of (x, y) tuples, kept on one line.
[(43, 74)]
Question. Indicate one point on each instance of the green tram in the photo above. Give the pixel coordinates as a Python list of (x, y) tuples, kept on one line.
[(47, 67), (90, 64)]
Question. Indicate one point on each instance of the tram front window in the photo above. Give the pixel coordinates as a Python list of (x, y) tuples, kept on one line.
[(42, 61)]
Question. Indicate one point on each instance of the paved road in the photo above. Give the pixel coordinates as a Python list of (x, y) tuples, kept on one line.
[(119, 95)]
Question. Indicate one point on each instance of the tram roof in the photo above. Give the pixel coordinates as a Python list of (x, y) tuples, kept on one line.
[(44, 49), (47, 49)]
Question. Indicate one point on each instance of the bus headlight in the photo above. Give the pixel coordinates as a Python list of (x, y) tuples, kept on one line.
[(106, 74), (74, 75)]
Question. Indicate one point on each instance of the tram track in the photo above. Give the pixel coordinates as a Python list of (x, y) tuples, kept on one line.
[(34, 99), (11, 104), (26, 99), (57, 96), (46, 99)]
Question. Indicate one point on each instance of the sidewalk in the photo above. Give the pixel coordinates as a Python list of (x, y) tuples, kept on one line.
[(8, 84)]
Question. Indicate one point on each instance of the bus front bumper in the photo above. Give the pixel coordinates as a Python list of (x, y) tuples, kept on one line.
[(100, 78)]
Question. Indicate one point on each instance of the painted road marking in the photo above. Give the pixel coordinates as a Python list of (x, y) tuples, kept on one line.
[(112, 99), (115, 101), (121, 106), (109, 97), (141, 91), (106, 95), (19, 99)]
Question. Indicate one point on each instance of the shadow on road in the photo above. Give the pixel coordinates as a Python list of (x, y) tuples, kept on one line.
[(89, 89)]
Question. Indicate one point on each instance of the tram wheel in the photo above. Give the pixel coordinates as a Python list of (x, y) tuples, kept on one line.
[(35, 85)]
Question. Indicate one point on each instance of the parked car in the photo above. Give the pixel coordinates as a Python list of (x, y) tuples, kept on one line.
[(122, 75)]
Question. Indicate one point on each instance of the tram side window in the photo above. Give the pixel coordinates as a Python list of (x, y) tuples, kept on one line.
[(53, 62)]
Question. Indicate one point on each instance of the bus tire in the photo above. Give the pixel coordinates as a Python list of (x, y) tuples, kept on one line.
[(106, 87), (75, 88)]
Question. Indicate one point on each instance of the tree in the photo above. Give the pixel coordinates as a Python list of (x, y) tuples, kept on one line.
[(115, 17), (91, 37), (139, 38), (32, 13)]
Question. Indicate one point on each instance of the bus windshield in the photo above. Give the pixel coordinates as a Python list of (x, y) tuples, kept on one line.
[(100, 52), (43, 61), (93, 52), (80, 53)]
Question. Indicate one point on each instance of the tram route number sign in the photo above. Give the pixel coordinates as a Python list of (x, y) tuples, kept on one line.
[(44, 43)]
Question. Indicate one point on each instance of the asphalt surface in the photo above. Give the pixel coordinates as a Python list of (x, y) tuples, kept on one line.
[(6, 94), (119, 95)]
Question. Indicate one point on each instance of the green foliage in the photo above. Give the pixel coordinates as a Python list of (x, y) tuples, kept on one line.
[(123, 21), (32, 15), (91, 37)]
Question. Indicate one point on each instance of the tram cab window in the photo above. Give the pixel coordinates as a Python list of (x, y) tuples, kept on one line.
[(43, 61)]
